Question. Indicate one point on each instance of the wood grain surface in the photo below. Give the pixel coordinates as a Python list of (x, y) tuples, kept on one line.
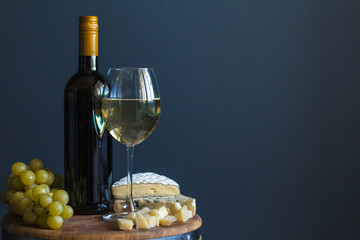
[(93, 227)]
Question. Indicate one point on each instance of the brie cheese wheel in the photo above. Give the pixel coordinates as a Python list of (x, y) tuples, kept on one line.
[(146, 184)]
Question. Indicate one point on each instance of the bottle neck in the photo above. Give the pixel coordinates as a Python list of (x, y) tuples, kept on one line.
[(88, 63), (88, 46)]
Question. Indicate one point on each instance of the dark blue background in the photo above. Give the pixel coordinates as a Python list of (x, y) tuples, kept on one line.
[(260, 103)]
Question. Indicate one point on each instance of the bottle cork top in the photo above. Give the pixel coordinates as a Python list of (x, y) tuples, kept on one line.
[(88, 36), (88, 23)]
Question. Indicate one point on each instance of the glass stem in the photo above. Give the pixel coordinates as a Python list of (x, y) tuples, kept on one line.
[(130, 159)]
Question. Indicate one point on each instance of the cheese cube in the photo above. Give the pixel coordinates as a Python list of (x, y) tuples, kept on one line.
[(141, 222), (132, 217), (175, 208), (167, 220), (191, 205), (163, 212), (151, 220), (125, 224), (190, 215), (144, 210), (183, 214), (155, 213)]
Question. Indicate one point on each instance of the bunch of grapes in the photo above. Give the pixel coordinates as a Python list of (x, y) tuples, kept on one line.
[(37, 195)]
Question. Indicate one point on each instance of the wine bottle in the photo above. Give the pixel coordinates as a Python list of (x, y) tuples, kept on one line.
[(88, 146)]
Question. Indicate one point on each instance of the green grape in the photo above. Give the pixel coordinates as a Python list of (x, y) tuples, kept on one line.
[(25, 203), (13, 207), (29, 216), (61, 196), (38, 190), (36, 164), (28, 193), (42, 221), (55, 222), (17, 196), (18, 168), (36, 199), (9, 180), (9, 195), (31, 186), (55, 208), (53, 190), (39, 211), (67, 213), (47, 188), (16, 183), (58, 181), (41, 176), (45, 200), (28, 177), (51, 178), (3, 197)]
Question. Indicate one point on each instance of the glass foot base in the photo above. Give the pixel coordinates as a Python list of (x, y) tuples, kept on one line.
[(113, 217)]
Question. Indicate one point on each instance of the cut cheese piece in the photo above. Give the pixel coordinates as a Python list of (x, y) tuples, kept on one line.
[(144, 210), (146, 184), (192, 208), (169, 219), (163, 212), (175, 207), (155, 213), (156, 202), (189, 212), (183, 214), (151, 220), (141, 221), (132, 217), (146, 219), (125, 224)]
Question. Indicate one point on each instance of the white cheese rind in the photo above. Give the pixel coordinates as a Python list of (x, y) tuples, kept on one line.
[(147, 177)]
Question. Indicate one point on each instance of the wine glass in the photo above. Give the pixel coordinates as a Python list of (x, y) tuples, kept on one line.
[(130, 106)]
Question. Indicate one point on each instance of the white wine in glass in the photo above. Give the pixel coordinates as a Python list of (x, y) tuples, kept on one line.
[(130, 107), (130, 121)]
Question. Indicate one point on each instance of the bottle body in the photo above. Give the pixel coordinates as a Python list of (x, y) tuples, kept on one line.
[(88, 154)]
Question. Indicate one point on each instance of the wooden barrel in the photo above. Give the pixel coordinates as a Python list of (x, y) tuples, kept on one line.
[(93, 227)]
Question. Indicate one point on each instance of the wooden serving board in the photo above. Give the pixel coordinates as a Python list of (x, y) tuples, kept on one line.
[(93, 227)]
